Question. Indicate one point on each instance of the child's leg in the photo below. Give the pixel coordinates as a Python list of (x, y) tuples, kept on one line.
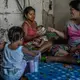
[(46, 46), (61, 52), (64, 59)]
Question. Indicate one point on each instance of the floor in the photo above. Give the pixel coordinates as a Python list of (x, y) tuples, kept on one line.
[(24, 78)]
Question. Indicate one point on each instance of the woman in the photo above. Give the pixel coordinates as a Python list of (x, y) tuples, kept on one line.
[(30, 28), (72, 33)]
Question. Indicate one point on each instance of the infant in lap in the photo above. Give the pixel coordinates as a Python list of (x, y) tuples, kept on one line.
[(38, 42)]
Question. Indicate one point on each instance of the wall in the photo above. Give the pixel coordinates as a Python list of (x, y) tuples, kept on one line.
[(61, 13), (37, 4), (55, 15), (48, 13), (11, 12)]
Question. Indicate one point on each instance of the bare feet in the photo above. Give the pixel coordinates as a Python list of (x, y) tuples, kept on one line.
[(62, 59)]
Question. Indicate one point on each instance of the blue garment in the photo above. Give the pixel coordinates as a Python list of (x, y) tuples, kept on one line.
[(13, 64)]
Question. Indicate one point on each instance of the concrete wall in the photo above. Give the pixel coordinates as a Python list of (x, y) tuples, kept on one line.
[(11, 13), (48, 13), (56, 16), (37, 4), (61, 13)]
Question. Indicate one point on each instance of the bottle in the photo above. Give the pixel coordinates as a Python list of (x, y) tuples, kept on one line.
[(32, 66), (36, 63)]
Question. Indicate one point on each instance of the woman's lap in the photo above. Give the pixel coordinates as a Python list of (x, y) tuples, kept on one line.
[(56, 49)]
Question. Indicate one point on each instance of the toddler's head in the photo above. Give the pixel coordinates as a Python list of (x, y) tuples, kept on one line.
[(15, 34), (41, 29)]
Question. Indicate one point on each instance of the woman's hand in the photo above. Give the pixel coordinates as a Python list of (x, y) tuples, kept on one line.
[(51, 29)]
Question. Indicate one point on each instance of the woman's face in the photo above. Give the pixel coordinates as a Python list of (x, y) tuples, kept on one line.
[(31, 15), (74, 13)]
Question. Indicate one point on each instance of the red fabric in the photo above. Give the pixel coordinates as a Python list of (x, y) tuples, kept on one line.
[(31, 30)]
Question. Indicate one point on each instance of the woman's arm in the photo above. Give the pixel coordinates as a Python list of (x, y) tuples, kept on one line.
[(61, 34), (26, 51), (26, 36)]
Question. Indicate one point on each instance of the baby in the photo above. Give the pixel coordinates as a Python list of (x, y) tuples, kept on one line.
[(38, 42), (41, 30)]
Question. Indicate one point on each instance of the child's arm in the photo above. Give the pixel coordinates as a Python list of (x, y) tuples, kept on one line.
[(38, 44), (26, 51), (42, 42)]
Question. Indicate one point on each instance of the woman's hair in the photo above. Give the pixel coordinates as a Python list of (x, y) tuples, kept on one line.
[(27, 10), (75, 4), (15, 33)]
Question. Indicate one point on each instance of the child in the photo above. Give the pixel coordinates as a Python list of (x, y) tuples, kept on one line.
[(13, 65), (38, 42)]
